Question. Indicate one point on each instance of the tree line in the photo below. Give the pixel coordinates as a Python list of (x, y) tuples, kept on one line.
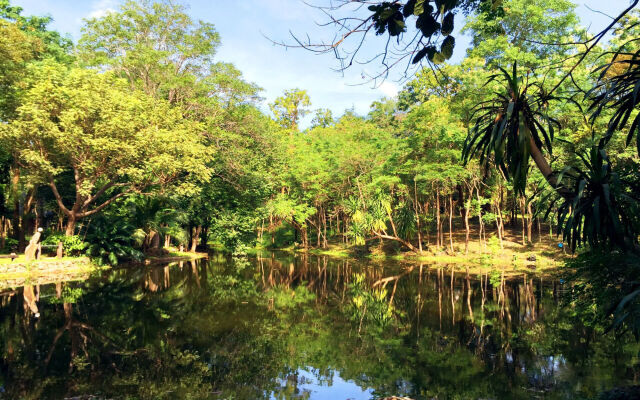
[(138, 125)]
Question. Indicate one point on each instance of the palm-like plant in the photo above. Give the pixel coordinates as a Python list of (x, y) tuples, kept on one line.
[(618, 88), (599, 213), (513, 129), (154, 216)]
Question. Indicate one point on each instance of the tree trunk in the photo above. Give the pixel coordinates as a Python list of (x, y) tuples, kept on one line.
[(522, 212), (539, 230), (500, 225), (451, 222), (3, 233), (426, 212), (467, 231), (295, 230), (500, 218), (154, 241), (18, 223), (438, 225), (480, 222), (529, 222), (325, 242), (71, 225), (546, 170), (261, 231), (204, 237), (416, 208), (195, 236)]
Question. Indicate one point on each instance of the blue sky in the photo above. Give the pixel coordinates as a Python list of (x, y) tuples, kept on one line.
[(243, 25)]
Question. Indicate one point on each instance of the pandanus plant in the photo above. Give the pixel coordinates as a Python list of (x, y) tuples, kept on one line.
[(512, 129), (599, 212), (618, 89)]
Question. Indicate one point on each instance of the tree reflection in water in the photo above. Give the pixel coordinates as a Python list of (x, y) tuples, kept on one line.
[(283, 327)]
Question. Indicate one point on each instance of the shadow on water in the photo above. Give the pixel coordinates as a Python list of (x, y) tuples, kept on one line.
[(303, 327)]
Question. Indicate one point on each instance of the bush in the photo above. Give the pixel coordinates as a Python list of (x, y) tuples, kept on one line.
[(71, 245), (111, 242), (10, 244)]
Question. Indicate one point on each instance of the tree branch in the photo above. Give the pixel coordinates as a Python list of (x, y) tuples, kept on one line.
[(103, 205), (56, 194)]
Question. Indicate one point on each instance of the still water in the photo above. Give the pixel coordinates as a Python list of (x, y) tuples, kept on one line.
[(303, 327)]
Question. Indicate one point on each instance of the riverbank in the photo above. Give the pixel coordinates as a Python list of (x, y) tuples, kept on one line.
[(18, 272), (174, 256), (46, 270), (541, 256)]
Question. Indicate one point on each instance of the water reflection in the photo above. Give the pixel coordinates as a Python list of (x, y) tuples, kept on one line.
[(286, 327)]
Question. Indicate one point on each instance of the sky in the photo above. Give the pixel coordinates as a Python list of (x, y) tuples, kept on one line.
[(246, 27)]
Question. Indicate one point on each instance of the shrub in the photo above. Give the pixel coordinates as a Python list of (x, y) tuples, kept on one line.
[(111, 242), (71, 245), (10, 244)]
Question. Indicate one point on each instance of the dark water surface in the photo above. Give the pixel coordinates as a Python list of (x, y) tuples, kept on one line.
[(304, 327)]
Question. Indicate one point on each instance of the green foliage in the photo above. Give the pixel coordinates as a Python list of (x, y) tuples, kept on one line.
[(71, 245), (601, 214), (234, 230), (111, 242), (513, 31), (509, 128), (10, 245), (149, 137), (158, 47), (323, 118), (289, 108), (392, 18), (24, 39), (116, 141), (495, 278), (617, 88), (52, 44)]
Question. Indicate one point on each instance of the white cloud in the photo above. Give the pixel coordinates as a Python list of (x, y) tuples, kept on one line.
[(389, 89), (101, 8)]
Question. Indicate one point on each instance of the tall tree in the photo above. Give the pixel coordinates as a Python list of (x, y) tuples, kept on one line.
[(155, 45)]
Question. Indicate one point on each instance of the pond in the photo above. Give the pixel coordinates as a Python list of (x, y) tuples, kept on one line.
[(281, 326)]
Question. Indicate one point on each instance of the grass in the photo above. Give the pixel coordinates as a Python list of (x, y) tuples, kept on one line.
[(21, 259), (80, 266)]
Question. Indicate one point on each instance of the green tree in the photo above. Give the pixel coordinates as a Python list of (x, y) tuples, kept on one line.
[(322, 118), (155, 45), (113, 140), (289, 108), (521, 32)]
